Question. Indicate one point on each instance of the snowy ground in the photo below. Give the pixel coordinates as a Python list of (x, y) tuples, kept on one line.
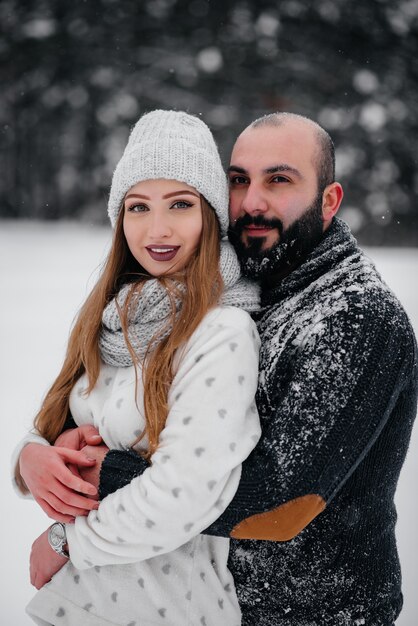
[(45, 273)]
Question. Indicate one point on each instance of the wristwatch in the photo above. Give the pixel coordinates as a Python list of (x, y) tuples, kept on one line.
[(57, 539)]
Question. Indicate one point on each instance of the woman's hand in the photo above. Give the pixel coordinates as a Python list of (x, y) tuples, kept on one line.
[(44, 562), (56, 489)]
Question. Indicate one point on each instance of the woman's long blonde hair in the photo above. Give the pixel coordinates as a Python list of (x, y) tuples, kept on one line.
[(203, 286)]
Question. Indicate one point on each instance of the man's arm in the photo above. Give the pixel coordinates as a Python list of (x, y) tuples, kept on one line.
[(111, 471), (119, 468), (339, 393), (342, 387)]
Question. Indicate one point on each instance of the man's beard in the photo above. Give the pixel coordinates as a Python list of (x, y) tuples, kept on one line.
[(294, 244)]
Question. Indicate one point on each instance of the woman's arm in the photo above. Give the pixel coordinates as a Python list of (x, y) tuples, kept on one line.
[(211, 428), (44, 562), (366, 362)]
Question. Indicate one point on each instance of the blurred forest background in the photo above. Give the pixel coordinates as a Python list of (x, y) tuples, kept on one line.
[(75, 76)]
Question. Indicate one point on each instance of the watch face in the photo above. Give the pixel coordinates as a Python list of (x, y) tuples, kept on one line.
[(56, 535)]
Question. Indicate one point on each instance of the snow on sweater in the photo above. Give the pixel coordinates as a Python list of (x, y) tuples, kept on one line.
[(337, 400), (140, 558)]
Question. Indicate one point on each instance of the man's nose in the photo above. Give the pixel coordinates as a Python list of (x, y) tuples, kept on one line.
[(254, 201)]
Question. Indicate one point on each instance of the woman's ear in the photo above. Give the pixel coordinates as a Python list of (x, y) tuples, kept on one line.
[(331, 200)]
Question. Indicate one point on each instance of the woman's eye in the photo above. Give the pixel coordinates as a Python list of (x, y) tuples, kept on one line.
[(181, 204), (138, 208)]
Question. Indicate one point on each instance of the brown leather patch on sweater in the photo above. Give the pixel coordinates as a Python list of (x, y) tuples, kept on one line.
[(282, 523)]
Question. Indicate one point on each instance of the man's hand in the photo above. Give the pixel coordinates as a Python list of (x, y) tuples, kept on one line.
[(77, 438), (44, 562), (85, 438), (53, 485), (92, 473)]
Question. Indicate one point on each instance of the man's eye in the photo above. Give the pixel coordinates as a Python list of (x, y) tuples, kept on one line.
[(138, 208), (237, 180), (181, 204), (280, 179)]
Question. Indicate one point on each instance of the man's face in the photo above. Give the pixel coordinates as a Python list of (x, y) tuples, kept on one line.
[(275, 207)]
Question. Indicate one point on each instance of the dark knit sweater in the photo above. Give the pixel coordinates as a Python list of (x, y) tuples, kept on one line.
[(337, 398)]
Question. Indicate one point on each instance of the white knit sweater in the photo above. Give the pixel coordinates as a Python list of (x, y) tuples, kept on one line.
[(140, 560)]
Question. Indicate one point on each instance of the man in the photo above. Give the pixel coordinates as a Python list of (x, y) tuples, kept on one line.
[(313, 520), (337, 396)]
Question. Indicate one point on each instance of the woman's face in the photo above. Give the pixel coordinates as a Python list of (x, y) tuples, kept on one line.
[(162, 224)]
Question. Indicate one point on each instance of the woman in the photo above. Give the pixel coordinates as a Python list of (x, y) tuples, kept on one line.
[(163, 360)]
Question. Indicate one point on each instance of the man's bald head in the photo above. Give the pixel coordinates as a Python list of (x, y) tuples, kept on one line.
[(324, 156)]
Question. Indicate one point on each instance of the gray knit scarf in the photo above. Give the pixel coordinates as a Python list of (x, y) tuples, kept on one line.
[(152, 309)]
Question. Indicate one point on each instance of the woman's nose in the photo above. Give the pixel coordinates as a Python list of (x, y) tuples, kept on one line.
[(159, 227)]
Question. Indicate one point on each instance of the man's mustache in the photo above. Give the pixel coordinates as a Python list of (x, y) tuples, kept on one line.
[(256, 220)]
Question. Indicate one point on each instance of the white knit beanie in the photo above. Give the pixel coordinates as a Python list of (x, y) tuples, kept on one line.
[(176, 146)]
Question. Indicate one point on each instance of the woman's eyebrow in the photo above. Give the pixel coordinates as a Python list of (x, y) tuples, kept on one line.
[(137, 195), (167, 195), (180, 192)]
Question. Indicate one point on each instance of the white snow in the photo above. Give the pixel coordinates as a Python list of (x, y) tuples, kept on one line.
[(46, 271)]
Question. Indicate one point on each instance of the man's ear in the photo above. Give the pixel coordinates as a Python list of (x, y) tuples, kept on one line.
[(331, 200)]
